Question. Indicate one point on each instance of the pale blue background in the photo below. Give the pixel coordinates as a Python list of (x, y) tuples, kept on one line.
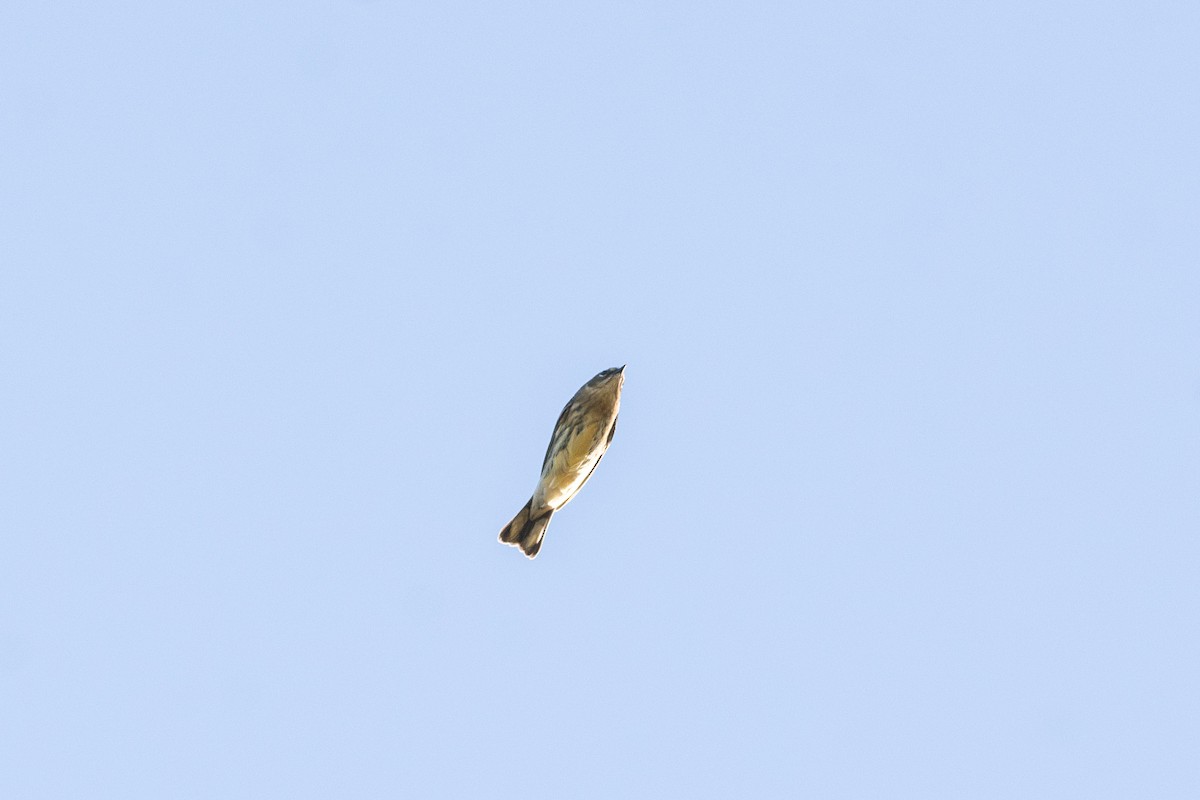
[(904, 501)]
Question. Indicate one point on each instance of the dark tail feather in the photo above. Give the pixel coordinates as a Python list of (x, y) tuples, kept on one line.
[(526, 532)]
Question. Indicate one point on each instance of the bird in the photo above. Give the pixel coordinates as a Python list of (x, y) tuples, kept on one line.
[(582, 434)]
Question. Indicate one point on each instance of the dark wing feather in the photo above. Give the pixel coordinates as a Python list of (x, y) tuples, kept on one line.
[(558, 432)]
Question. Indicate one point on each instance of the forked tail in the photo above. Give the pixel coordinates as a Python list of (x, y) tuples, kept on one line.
[(526, 532)]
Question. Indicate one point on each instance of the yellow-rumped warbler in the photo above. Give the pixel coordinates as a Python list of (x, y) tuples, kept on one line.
[(582, 434)]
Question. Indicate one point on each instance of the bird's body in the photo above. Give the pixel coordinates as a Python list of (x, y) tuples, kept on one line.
[(582, 434)]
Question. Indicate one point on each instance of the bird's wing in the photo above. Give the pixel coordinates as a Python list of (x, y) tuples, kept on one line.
[(559, 431)]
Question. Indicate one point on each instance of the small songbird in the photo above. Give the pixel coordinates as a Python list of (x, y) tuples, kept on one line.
[(582, 434)]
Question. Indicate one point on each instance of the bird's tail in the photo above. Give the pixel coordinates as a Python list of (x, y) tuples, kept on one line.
[(526, 530)]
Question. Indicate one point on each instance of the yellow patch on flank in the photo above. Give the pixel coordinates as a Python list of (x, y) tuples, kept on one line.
[(580, 444)]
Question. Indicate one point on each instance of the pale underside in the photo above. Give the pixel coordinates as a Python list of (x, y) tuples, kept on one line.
[(565, 474)]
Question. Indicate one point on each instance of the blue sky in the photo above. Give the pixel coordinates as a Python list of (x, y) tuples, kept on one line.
[(905, 495)]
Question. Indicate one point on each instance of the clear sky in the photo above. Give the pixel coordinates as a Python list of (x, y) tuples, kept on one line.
[(905, 497)]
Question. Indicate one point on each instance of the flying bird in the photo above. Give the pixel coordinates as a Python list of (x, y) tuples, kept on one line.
[(582, 434)]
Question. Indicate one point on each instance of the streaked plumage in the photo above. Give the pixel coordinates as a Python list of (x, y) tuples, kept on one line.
[(582, 434)]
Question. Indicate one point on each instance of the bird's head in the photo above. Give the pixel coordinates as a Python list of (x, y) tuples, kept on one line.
[(613, 377)]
